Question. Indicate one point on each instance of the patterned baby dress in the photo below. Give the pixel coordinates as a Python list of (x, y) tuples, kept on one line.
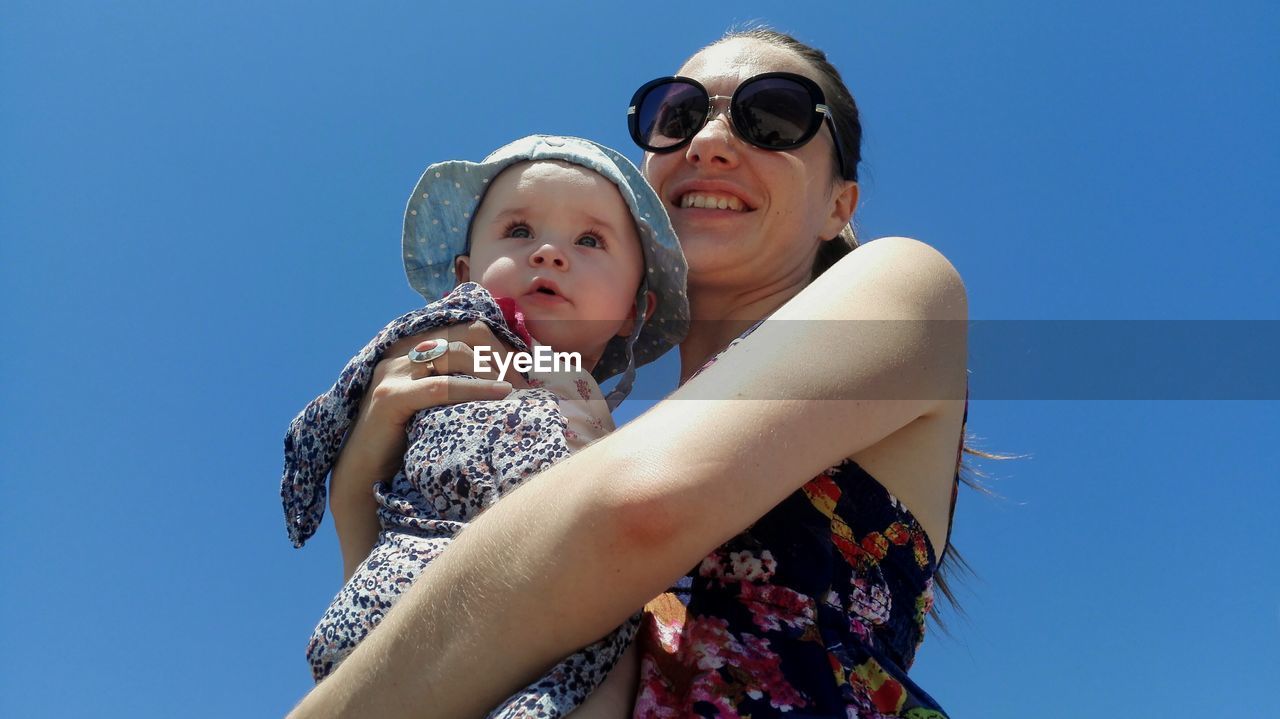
[(461, 458)]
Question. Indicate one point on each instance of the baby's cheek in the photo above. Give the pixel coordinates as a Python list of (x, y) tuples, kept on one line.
[(499, 276)]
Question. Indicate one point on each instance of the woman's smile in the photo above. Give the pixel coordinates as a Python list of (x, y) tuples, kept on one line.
[(712, 201)]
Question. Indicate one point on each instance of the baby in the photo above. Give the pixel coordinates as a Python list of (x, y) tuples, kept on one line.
[(558, 242)]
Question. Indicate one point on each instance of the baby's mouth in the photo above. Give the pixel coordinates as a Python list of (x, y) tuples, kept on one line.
[(545, 289)]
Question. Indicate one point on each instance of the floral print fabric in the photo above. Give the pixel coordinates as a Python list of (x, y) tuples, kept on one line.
[(461, 459), (814, 611), (314, 437)]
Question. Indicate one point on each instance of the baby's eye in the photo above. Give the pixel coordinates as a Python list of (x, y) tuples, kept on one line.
[(590, 241), (519, 230)]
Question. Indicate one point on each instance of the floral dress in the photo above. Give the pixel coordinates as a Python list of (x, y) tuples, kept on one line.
[(814, 611), (461, 459)]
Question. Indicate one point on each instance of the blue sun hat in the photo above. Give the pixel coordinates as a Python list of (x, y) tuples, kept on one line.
[(439, 213)]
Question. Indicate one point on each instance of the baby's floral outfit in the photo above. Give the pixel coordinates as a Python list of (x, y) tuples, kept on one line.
[(461, 458)]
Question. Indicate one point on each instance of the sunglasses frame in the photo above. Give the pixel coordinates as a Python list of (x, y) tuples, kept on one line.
[(821, 112)]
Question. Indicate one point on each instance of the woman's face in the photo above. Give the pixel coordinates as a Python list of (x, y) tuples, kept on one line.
[(779, 205)]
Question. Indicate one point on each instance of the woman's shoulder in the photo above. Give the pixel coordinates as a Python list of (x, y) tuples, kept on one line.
[(904, 310), (900, 248), (893, 313), (888, 278)]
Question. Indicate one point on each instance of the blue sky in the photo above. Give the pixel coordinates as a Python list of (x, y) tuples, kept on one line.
[(200, 208)]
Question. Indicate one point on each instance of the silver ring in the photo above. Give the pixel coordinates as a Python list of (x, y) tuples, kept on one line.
[(426, 357)]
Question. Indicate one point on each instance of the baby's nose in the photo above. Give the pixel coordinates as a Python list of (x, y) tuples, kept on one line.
[(549, 255)]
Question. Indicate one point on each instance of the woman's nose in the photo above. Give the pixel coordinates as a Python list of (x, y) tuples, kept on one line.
[(549, 255), (715, 142)]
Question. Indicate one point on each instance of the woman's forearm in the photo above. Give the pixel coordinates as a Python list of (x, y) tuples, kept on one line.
[(569, 555), (559, 563), (356, 521), (365, 460), (446, 650)]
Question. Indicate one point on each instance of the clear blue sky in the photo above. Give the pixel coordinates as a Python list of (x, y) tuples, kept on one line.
[(200, 207)]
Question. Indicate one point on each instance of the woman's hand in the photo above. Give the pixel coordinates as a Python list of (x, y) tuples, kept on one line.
[(374, 448)]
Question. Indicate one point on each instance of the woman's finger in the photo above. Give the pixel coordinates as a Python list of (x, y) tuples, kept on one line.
[(478, 334), (400, 391), (457, 358), (448, 389), (426, 352), (451, 358)]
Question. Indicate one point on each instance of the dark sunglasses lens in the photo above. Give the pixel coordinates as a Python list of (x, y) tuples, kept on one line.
[(774, 112), (669, 114)]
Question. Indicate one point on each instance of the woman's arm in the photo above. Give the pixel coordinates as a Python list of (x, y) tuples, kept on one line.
[(566, 557)]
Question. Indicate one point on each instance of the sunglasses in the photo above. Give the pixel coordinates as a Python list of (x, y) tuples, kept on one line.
[(772, 111)]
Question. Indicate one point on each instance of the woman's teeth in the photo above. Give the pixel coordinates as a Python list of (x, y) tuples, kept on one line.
[(711, 202)]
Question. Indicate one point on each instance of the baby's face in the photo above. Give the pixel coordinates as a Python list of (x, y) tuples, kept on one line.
[(559, 239)]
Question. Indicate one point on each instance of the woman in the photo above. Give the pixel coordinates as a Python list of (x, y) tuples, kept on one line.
[(811, 514)]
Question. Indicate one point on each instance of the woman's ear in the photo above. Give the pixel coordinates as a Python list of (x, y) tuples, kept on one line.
[(844, 201), (462, 268), (629, 324)]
